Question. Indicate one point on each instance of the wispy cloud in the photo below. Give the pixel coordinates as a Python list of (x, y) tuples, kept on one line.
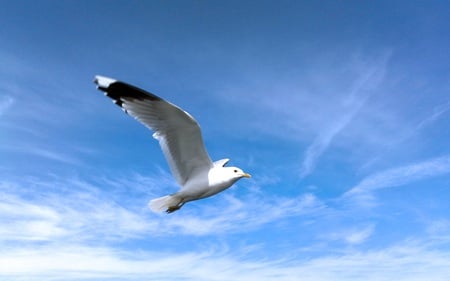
[(54, 155), (402, 175), (5, 103), (437, 113), (73, 208), (406, 261), (47, 153), (70, 209), (360, 92), (59, 222), (353, 235), (237, 215)]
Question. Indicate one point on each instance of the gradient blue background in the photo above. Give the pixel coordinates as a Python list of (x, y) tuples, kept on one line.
[(339, 109)]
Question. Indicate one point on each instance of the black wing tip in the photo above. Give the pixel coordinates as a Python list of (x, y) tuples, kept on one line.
[(117, 90)]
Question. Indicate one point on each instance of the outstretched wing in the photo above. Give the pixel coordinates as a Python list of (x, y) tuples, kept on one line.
[(176, 130)]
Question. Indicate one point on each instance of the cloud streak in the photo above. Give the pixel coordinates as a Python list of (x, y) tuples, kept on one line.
[(406, 261), (437, 113), (236, 215), (55, 230), (352, 236), (67, 209), (360, 92), (5, 103), (63, 211), (402, 175)]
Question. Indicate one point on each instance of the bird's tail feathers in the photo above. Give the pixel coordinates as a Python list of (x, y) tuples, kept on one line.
[(162, 204)]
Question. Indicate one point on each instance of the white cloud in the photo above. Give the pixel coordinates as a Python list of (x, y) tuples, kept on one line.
[(409, 131), (73, 229), (22, 148), (402, 175), (316, 105), (5, 103), (352, 236), (23, 220), (438, 229), (76, 209), (52, 155), (63, 210), (406, 261), (437, 113), (69, 228), (361, 90), (238, 215)]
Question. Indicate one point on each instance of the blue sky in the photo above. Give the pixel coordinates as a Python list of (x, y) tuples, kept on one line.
[(340, 110)]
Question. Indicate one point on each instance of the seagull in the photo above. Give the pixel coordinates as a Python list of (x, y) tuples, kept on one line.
[(181, 141)]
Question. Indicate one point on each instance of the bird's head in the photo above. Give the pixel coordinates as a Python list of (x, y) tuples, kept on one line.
[(226, 176), (237, 173), (234, 173)]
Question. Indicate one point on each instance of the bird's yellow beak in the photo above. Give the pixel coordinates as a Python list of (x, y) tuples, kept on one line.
[(245, 175)]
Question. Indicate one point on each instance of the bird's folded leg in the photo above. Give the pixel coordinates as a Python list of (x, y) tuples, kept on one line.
[(172, 209)]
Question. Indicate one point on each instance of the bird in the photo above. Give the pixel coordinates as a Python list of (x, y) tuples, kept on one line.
[(181, 142)]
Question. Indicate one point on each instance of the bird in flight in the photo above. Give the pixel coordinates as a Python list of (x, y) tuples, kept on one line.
[(181, 141)]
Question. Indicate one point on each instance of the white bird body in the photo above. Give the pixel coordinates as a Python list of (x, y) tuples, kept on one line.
[(181, 141)]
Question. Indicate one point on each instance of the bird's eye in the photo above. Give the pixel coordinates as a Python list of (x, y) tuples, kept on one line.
[(235, 171)]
